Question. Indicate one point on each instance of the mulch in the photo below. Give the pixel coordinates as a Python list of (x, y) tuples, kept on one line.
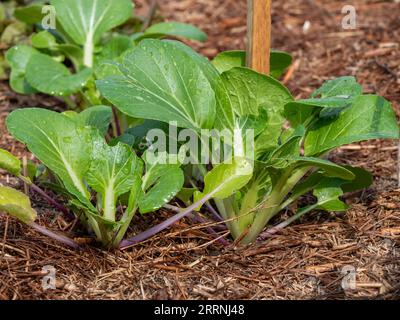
[(308, 260)]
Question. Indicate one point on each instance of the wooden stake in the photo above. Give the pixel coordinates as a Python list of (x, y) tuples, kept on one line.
[(259, 35)]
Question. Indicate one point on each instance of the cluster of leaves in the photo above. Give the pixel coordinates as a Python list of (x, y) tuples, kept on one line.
[(65, 61), (12, 32), (162, 81), (106, 184), (168, 81)]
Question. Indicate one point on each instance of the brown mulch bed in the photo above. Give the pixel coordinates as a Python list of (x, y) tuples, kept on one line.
[(306, 260)]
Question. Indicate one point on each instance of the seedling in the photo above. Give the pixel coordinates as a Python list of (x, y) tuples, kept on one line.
[(105, 185)]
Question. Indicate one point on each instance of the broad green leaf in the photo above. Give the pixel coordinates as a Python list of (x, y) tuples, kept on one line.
[(224, 112), (177, 29), (52, 77), (228, 178), (342, 86), (17, 205), (18, 58), (328, 192), (111, 173), (9, 162), (43, 40), (161, 83), (251, 94), (249, 91), (370, 117), (58, 143), (85, 21), (98, 117), (333, 95), (227, 60)]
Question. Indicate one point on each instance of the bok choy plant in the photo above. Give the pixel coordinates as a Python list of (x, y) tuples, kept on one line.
[(64, 60), (105, 184), (167, 81)]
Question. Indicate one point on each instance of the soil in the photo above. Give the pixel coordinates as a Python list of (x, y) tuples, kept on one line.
[(308, 260)]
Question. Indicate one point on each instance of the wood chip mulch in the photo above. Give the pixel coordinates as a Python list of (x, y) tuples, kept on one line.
[(310, 260)]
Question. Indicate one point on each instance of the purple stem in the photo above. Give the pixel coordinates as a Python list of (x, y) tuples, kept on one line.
[(67, 241), (167, 223), (52, 202), (214, 212), (116, 121)]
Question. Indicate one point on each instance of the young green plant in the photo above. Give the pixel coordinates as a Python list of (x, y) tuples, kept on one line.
[(292, 139), (65, 61), (105, 184)]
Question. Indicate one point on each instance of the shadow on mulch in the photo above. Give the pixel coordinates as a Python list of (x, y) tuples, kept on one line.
[(309, 260)]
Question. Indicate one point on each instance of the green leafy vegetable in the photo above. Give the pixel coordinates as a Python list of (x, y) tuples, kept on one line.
[(171, 87), (249, 191), (52, 77), (73, 148)]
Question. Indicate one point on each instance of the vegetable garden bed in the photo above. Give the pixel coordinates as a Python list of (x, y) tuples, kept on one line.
[(303, 261)]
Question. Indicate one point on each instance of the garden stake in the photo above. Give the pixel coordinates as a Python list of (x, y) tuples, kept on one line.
[(259, 35)]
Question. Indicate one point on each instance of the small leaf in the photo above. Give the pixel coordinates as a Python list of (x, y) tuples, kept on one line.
[(18, 58), (328, 192), (177, 29), (227, 60), (43, 40), (9, 163), (17, 205), (112, 173), (52, 77), (160, 185), (228, 178), (370, 117), (98, 117), (334, 95)]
